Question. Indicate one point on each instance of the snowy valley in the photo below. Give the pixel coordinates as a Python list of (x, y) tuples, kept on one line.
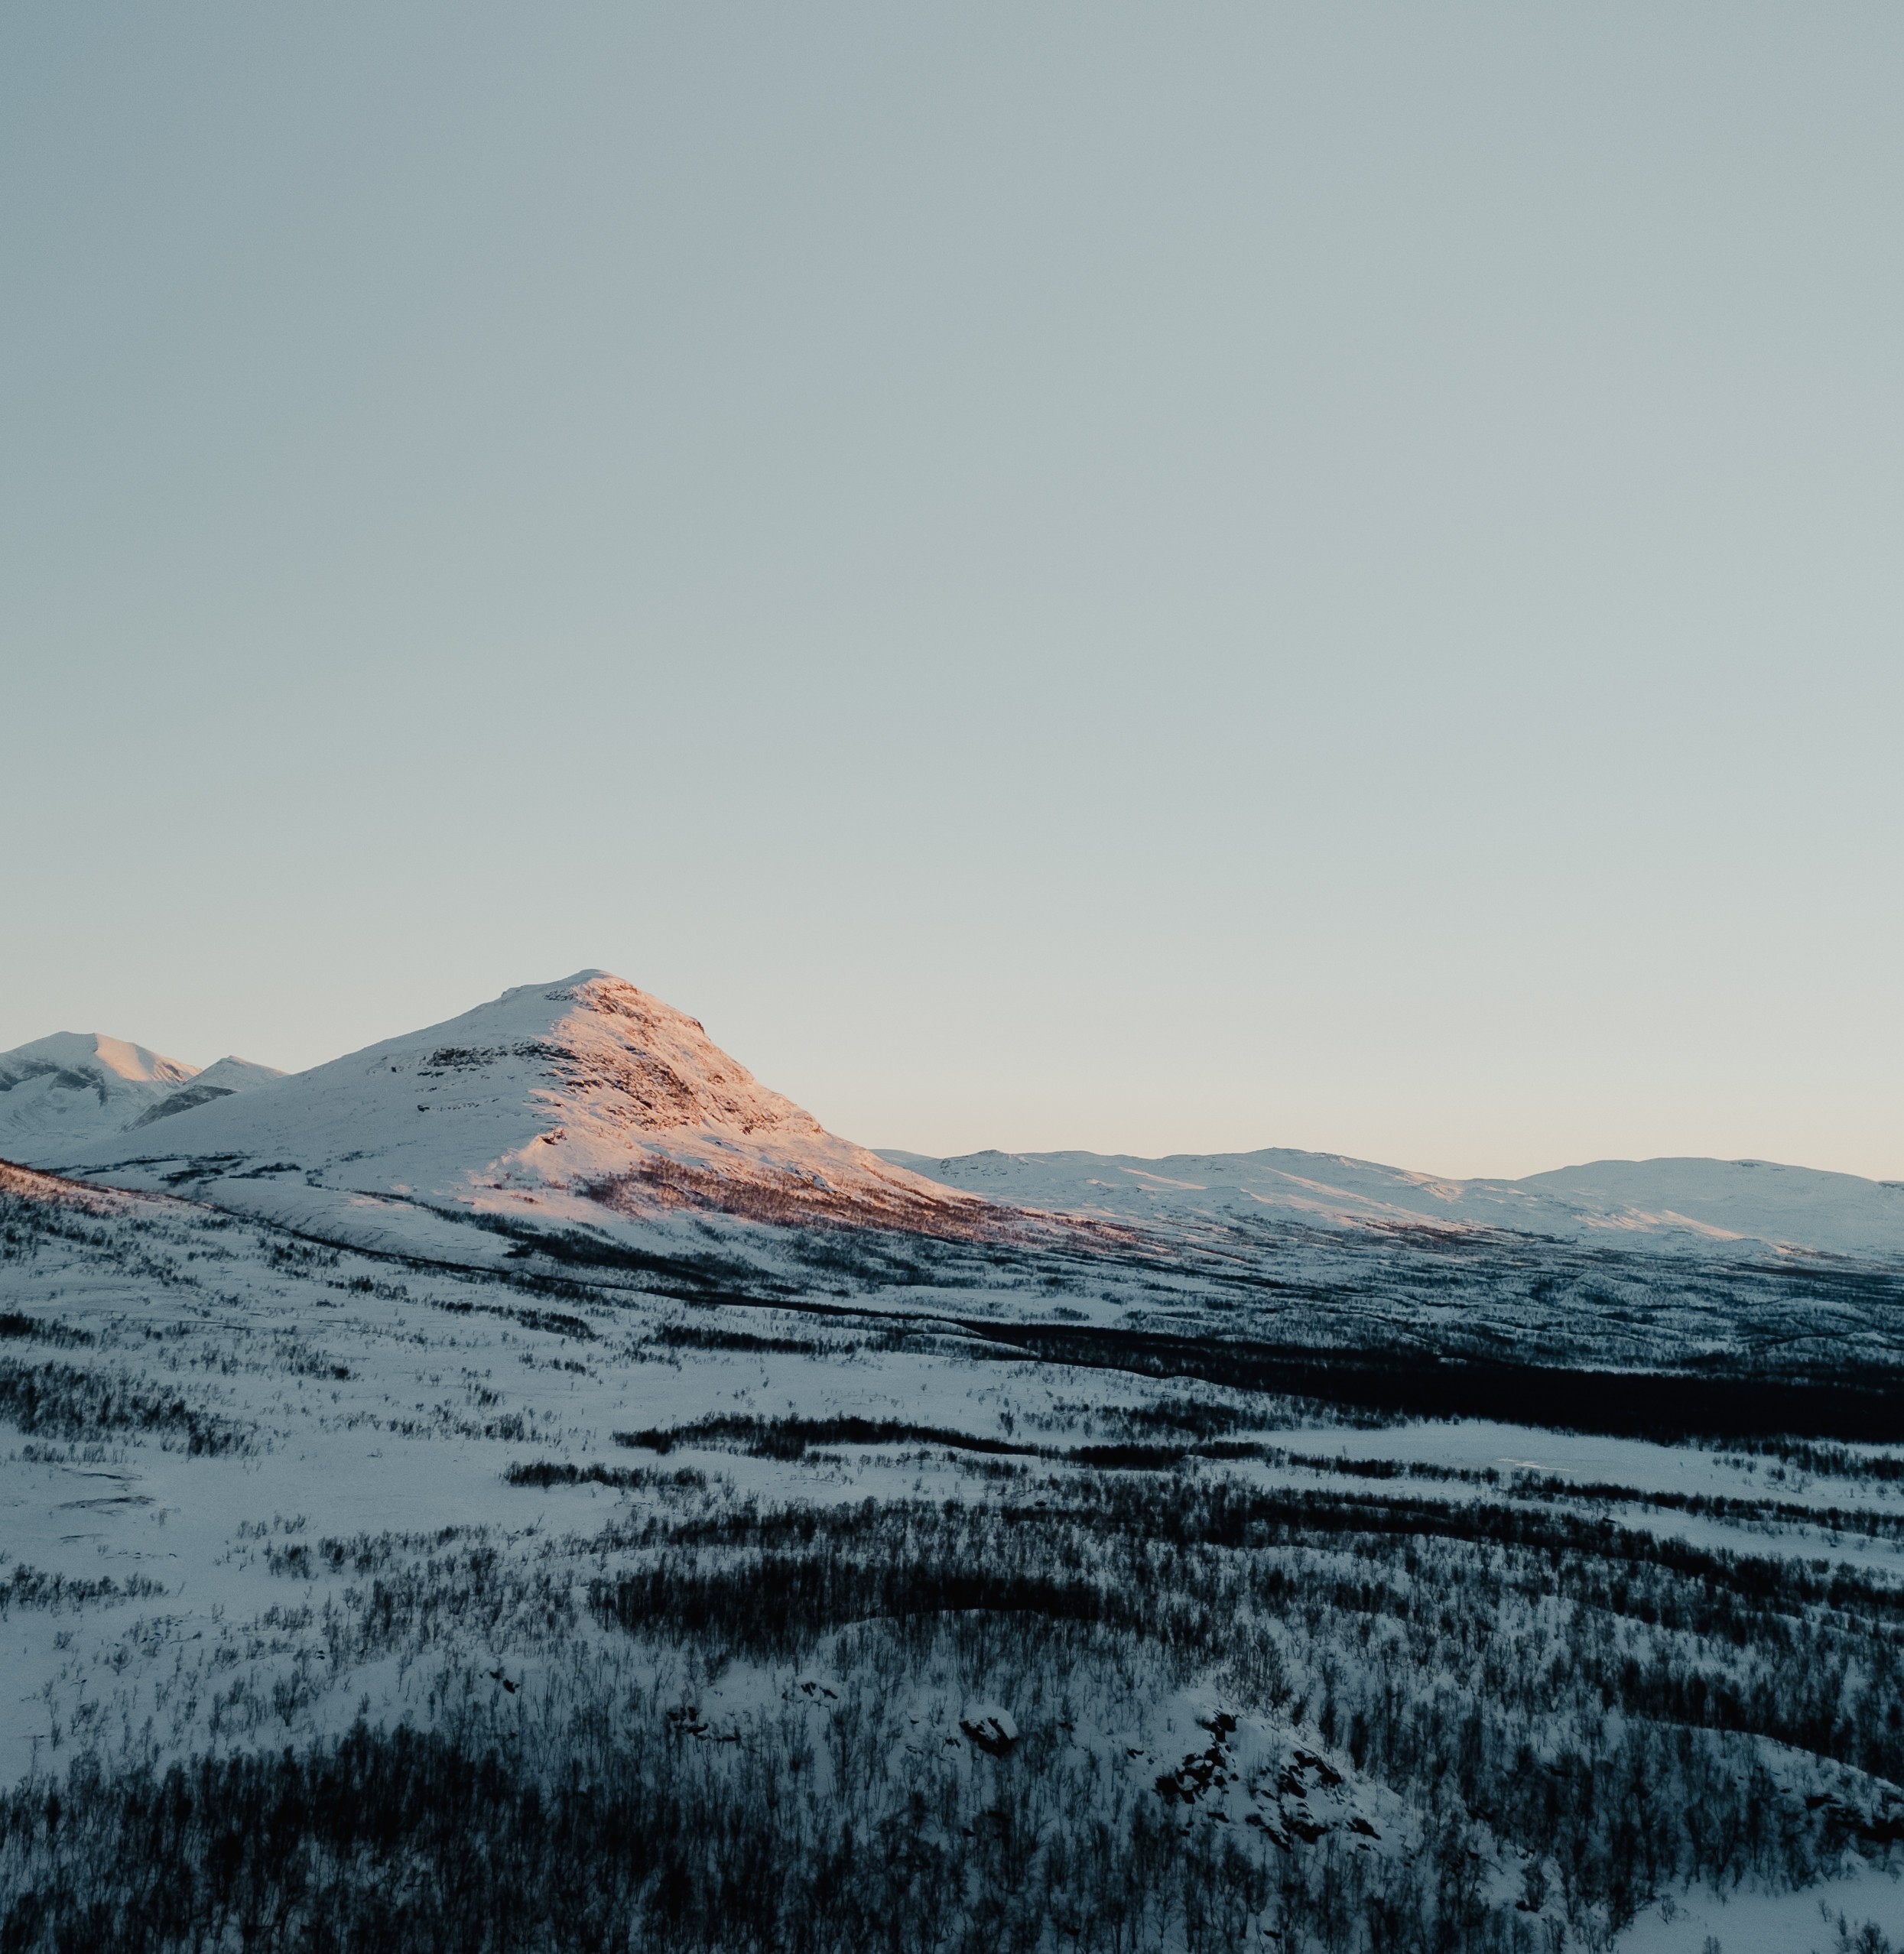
[(527, 1484)]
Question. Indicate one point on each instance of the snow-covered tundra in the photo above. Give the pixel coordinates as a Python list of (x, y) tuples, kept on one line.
[(527, 1485)]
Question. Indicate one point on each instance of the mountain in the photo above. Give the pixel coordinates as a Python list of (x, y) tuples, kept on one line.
[(1283, 1551), (582, 1102), (1696, 1205), (586, 1103), (1716, 1202), (217, 1081), (75, 1087)]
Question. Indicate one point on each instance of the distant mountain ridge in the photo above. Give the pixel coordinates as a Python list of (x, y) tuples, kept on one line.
[(586, 1102), (75, 1087), (1692, 1204)]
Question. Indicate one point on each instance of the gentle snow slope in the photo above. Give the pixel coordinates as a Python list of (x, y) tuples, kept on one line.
[(1692, 1204), (585, 1100)]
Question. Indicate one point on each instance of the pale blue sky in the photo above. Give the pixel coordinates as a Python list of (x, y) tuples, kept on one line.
[(1136, 578)]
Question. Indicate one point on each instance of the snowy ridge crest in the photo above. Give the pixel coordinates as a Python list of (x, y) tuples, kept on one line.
[(1216, 1201)]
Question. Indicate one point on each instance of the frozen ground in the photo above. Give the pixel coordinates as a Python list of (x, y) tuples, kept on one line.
[(1821, 1919), (389, 1531), (262, 1491)]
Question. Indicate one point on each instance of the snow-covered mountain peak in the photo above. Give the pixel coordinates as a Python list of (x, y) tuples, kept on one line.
[(233, 1074), (96, 1056), (63, 1094), (585, 1101), (73, 1087), (588, 1101), (623, 1045)]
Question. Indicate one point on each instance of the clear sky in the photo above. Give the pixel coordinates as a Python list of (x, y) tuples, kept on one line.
[(1147, 579)]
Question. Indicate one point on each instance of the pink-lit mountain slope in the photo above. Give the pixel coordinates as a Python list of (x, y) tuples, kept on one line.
[(582, 1102), (74, 1089)]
